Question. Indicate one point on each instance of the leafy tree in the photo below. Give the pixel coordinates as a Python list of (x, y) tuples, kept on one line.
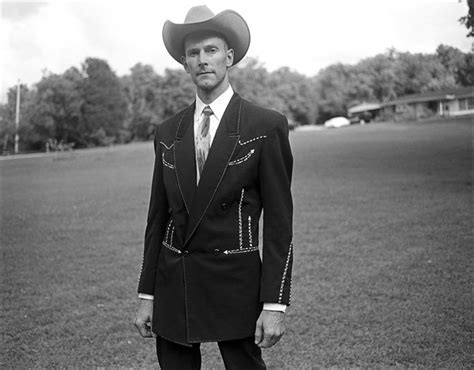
[(145, 101), (251, 79), (335, 90), (375, 78), (457, 64), (58, 102), (450, 57), (176, 91), (295, 94), (283, 90), (468, 20), (420, 72), (7, 129), (104, 108), (464, 73)]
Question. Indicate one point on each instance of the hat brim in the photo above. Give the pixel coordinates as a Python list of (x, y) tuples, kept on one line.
[(228, 23)]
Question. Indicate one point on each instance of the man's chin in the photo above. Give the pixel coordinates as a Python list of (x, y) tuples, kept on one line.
[(206, 85)]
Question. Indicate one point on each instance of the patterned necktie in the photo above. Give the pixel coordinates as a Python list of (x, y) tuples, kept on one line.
[(203, 139)]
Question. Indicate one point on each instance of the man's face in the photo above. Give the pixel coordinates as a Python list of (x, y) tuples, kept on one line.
[(207, 59)]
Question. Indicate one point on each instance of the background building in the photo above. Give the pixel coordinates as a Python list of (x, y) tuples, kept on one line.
[(441, 103)]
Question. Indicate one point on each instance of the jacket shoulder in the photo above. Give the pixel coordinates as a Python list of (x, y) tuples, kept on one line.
[(165, 132), (172, 122), (267, 119)]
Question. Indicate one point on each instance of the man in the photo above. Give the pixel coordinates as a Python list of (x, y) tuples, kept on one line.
[(218, 163)]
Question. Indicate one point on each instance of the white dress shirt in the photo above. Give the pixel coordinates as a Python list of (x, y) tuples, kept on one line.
[(218, 107)]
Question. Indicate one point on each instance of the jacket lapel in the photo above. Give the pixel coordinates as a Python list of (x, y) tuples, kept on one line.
[(222, 148), (184, 158)]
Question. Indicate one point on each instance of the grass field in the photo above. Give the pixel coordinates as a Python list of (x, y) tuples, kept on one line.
[(383, 257)]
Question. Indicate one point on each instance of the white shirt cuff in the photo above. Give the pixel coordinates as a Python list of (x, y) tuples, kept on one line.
[(274, 307), (145, 296)]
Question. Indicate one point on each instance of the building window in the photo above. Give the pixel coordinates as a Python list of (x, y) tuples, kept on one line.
[(466, 103), (401, 108)]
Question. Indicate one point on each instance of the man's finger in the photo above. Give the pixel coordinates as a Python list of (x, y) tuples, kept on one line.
[(268, 340), (144, 329), (258, 332)]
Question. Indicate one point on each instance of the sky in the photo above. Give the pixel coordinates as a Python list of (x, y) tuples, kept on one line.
[(304, 35)]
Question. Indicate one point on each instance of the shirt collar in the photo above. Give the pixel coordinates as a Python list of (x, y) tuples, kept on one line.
[(218, 106)]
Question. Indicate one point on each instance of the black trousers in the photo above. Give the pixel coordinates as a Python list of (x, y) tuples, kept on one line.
[(237, 354)]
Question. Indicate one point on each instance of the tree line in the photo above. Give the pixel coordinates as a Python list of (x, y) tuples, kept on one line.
[(92, 106)]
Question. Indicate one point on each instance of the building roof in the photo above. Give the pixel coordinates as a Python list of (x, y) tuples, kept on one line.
[(364, 107), (445, 94)]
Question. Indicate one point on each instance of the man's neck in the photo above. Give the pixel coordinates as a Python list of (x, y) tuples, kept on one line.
[(208, 96)]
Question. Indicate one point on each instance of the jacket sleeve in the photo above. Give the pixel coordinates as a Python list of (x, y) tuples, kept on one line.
[(276, 166), (156, 223)]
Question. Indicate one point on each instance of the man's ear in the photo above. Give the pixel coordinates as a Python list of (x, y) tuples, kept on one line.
[(185, 65), (230, 58)]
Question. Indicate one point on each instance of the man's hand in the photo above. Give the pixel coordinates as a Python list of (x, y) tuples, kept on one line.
[(144, 318), (270, 328)]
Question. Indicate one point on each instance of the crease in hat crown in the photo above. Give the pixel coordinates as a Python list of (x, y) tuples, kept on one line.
[(228, 23), (198, 13)]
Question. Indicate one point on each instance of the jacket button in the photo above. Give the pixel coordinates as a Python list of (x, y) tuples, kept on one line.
[(224, 206), (216, 252)]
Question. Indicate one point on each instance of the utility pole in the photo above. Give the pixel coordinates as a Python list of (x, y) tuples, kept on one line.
[(17, 116)]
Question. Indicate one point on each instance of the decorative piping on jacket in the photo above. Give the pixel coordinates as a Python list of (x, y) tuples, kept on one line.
[(172, 236), (280, 296), (242, 159), (252, 140), (167, 164), (243, 250), (141, 270), (240, 218), (289, 297), (168, 230), (250, 232), (169, 236), (166, 146), (170, 247)]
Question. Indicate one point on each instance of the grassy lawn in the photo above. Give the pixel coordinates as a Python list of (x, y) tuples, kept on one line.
[(383, 263)]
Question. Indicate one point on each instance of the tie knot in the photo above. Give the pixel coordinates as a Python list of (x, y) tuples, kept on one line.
[(207, 110)]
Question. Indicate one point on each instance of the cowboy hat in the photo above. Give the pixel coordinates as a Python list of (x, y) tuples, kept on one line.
[(228, 23)]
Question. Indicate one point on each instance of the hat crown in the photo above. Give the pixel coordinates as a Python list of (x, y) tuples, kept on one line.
[(228, 23), (199, 13)]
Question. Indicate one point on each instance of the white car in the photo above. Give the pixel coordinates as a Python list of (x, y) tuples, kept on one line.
[(337, 122)]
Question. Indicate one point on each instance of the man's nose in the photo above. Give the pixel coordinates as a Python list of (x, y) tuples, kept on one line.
[(202, 57)]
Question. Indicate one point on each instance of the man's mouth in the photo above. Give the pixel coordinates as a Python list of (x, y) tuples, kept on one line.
[(204, 73)]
